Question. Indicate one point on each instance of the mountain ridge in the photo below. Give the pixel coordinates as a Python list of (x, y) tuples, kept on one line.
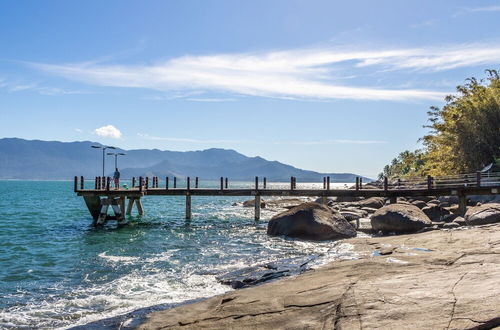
[(45, 160)]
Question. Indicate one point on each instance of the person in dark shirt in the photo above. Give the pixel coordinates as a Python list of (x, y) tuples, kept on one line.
[(116, 177)]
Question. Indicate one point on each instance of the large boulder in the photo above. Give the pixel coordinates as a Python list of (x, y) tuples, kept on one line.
[(399, 218), (373, 202), (480, 215), (311, 221)]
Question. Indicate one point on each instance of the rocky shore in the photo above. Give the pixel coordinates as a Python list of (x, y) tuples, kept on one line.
[(440, 279)]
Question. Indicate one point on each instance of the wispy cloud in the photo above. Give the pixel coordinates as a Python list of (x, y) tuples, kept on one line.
[(339, 141), (109, 131), (35, 87), (314, 74), (466, 10), (200, 99), (488, 8), (184, 140)]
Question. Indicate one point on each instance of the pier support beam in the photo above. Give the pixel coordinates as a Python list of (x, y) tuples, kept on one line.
[(188, 207), (138, 204), (257, 207), (462, 204), (94, 205), (130, 205)]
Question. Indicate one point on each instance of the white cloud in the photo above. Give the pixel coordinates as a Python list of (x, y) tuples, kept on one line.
[(79, 130), (108, 131), (313, 74)]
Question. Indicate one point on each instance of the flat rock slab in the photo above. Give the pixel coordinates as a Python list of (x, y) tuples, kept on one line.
[(433, 280), (255, 275)]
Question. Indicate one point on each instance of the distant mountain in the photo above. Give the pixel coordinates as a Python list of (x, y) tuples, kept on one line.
[(46, 160)]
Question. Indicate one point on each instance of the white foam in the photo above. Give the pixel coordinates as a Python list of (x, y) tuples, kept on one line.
[(117, 258)]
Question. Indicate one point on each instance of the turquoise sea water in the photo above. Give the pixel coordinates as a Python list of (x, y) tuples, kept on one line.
[(57, 270)]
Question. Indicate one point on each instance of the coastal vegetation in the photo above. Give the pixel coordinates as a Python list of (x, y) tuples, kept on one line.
[(463, 137)]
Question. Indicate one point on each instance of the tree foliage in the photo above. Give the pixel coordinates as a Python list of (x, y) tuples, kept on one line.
[(464, 134), (406, 164)]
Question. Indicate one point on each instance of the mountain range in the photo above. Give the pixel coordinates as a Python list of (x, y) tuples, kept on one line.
[(53, 160)]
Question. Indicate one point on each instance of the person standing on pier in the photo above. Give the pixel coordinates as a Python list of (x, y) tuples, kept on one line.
[(116, 177)]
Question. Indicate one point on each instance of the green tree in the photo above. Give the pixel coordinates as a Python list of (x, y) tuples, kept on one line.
[(465, 133), (406, 164)]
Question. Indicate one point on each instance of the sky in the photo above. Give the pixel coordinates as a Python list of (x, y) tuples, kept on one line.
[(330, 86)]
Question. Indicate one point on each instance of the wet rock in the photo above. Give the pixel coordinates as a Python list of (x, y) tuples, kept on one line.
[(356, 210), (284, 203), (399, 218), (424, 199), (434, 201), (251, 276), (434, 212), (419, 204), (365, 225), (345, 199), (251, 203), (453, 209), (480, 215), (350, 216), (354, 223), (449, 199), (369, 210), (460, 221), (439, 224), (450, 225), (311, 221), (444, 204), (449, 217)]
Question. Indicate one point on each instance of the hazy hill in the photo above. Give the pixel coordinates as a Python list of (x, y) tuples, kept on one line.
[(34, 159)]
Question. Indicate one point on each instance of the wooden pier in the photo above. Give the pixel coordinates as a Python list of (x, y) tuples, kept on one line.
[(102, 195)]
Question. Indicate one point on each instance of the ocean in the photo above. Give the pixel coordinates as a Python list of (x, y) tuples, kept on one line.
[(58, 271)]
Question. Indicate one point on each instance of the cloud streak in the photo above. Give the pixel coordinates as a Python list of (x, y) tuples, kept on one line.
[(311, 74)]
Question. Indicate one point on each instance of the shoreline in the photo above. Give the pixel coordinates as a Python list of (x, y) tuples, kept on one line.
[(404, 256), (391, 277)]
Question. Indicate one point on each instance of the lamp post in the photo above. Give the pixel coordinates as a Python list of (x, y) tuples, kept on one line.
[(103, 153), (116, 154)]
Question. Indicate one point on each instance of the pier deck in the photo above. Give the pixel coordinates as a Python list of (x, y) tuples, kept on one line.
[(102, 196)]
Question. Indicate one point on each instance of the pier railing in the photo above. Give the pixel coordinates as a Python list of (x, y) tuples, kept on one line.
[(144, 184), (100, 196)]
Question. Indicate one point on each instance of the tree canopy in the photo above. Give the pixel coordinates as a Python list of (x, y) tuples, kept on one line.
[(464, 134)]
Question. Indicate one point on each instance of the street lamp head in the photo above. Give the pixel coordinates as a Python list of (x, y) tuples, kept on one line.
[(121, 154), (111, 154), (110, 147), (97, 147)]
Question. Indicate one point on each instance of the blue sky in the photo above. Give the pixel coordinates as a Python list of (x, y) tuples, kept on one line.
[(337, 86)]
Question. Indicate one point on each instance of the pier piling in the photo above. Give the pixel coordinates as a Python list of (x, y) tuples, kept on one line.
[(188, 207), (257, 207)]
